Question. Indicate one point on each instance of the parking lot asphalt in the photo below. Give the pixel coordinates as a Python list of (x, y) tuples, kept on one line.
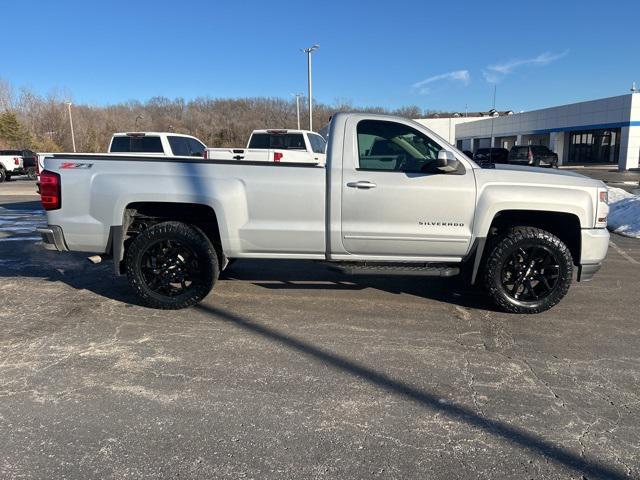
[(288, 370)]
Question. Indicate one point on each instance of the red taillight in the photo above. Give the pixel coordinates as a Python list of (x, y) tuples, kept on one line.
[(16, 160), (277, 156), (50, 190)]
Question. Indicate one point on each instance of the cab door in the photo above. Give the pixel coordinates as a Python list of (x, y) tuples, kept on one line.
[(396, 202)]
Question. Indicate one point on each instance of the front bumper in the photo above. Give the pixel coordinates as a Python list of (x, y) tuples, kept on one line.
[(595, 243), (53, 238), (586, 272)]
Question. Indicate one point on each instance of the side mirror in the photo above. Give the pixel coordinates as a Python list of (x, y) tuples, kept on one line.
[(447, 161), (444, 157)]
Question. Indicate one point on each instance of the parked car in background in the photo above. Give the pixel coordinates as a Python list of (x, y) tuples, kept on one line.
[(11, 163), (286, 146), (157, 144), (533, 155), (491, 155)]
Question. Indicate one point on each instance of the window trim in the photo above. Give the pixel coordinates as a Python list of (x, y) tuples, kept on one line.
[(461, 170)]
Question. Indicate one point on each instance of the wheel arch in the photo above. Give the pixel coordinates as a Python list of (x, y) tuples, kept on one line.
[(564, 225), (138, 216)]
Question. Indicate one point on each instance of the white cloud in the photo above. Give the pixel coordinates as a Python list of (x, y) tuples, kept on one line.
[(457, 76), (494, 73)]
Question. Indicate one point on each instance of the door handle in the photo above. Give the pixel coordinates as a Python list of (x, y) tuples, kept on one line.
[(362, 184)]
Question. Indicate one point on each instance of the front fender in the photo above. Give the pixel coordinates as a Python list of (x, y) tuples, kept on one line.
[(494, 199)]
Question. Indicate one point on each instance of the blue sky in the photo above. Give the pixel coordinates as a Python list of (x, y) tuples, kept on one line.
[(439, 55)]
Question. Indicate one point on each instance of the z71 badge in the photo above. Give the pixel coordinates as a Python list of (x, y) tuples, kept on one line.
[(68, 165)]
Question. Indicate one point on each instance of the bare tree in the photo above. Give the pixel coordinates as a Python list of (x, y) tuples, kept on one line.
[(219, 122)]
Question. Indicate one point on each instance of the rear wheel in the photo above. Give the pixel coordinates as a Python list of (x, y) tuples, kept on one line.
[(31, 173), (3, 175), (171, 265), (529, 270)]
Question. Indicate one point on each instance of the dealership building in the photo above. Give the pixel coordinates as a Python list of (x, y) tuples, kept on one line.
[(604, 131)]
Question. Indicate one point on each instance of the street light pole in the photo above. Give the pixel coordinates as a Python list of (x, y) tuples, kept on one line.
[(297, 95), (73, 137), (309, 51)]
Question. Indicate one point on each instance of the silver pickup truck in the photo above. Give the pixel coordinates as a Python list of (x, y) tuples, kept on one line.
[(392, 199)]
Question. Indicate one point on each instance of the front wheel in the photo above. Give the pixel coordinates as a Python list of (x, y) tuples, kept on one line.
[(529, 270), (171, 265)]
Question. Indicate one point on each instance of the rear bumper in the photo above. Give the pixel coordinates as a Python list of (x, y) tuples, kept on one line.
[(53, 238)]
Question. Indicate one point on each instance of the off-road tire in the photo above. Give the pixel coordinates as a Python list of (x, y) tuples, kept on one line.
[(501, 250), (188, 235), (32, 173)]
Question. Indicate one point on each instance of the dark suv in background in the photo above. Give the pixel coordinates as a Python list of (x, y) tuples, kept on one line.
[(491, 155), (533, 155)]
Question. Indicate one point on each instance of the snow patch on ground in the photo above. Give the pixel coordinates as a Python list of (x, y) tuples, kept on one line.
[(20, 224), (624, 213)]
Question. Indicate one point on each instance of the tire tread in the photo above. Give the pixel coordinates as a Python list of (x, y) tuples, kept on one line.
[(512, 237)]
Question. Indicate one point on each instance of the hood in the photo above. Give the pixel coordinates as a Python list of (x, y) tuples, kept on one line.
[(520, 174)]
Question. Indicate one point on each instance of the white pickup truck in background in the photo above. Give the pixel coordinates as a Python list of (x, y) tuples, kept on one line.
[(285, 146), (11, 163), (157, 143)]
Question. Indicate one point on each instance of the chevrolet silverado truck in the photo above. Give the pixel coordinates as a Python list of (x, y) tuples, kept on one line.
[(296, 146), (393, 199)]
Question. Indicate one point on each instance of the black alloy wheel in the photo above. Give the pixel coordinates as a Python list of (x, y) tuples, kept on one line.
[(171, 265), (527, 270), (531, 273)]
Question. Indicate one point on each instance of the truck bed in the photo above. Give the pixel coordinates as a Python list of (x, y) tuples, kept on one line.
[(270, 207)]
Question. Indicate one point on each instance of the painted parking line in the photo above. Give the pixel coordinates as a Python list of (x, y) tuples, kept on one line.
[(624, 254)]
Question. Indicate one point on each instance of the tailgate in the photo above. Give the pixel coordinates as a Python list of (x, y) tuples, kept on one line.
[(240, 154)]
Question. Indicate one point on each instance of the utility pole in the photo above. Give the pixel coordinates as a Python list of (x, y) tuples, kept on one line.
[(493, 113), (73, 137), (298, 95), (309, 51)]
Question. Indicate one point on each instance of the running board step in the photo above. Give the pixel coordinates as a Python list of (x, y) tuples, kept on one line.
[(386, 268)]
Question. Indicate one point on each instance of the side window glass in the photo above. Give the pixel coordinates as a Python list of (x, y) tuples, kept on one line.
[(179, 146), (391, 146), (318, 144), (196, 149)]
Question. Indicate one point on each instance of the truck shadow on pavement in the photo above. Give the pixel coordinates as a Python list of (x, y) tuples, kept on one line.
[(521, 438), (305, 275)]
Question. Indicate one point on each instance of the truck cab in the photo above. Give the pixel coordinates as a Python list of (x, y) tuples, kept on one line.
[(156, 143)]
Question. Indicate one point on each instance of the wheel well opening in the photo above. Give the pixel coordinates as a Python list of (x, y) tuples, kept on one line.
[(141, 215), (565, 226)]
